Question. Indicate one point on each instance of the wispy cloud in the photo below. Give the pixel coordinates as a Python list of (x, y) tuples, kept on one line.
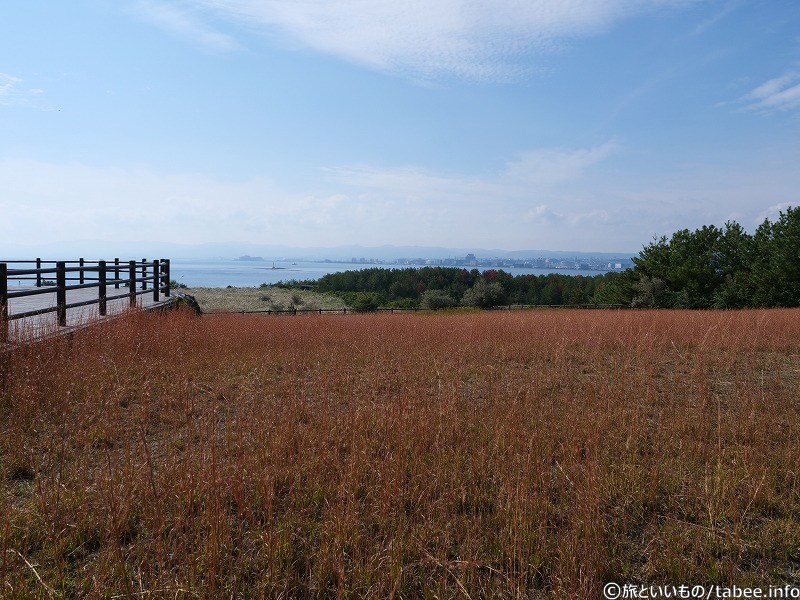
[(411, 182), (596, 215), (371, 204), (533, 169), (711, 21), (470, 39), (543, 214), (516, 191), (141, 202), (779, 93), (552, 166), (9, 87), (182, 21), (377, 205), (12, 91), (773, 212)]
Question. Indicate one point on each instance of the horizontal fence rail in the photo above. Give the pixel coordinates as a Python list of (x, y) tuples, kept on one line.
[(59, 277)]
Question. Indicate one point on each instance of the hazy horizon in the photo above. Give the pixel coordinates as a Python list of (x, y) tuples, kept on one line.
[(587, 125), (233, 250)]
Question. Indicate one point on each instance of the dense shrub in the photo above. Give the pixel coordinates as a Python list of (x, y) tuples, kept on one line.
[(436, 300), (366, 303), (484, 295)]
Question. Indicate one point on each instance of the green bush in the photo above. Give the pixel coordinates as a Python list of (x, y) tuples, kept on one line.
[(365, 303), (436, 300), (484, 295)]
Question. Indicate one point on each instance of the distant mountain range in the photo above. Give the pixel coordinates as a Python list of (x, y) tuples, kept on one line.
[(233, 250)]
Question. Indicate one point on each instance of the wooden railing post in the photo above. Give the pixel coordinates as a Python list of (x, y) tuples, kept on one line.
[(144, 273), (61, 293), (101, 289), (116, 273), (156, 280), (80, 274), (3, 302), (167, 280), (132, 283), (38, 275)]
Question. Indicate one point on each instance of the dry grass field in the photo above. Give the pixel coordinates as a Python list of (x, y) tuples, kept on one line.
[(520, 454)]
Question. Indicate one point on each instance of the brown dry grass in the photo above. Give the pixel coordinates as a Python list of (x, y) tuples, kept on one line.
[(527, 454)]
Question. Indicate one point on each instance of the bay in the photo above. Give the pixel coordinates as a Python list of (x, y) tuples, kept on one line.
[(238, 273)]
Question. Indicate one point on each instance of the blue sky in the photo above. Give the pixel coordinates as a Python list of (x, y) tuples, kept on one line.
[(587, 125)]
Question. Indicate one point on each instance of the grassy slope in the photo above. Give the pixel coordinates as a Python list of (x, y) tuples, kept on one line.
[(512, 454), (250, 299)]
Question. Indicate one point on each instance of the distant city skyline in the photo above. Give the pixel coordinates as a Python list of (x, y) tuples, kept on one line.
[(238, 250), (579, 125)]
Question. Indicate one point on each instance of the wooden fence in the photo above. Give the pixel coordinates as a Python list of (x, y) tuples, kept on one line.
[(49, 276)]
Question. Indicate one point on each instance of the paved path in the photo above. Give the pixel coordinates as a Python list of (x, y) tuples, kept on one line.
[(39, 326)]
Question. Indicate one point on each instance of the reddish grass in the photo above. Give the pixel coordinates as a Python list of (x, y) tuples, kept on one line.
[(525, 454)]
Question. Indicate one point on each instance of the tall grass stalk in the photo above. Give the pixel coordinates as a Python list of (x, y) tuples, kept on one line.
[(511, 455)]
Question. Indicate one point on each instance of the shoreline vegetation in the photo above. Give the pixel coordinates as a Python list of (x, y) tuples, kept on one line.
[(710, 267), (502, 454)]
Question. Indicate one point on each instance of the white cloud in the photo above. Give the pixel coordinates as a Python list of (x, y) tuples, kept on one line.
[(592, 216), (13, 92), (711, 21), (779, 93), (45, 201), (773, 212), (532, 170), (551, 166), (184, 24), (582, 214), (8, 86), (472, 39), (505, 196), (411, 182), (542, 214), (371, 205)]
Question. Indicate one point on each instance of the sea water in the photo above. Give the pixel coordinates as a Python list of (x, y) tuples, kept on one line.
[(239, 273)]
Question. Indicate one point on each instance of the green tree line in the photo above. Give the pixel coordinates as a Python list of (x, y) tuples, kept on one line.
[(710, 267), (444, 287), (714, 267)]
